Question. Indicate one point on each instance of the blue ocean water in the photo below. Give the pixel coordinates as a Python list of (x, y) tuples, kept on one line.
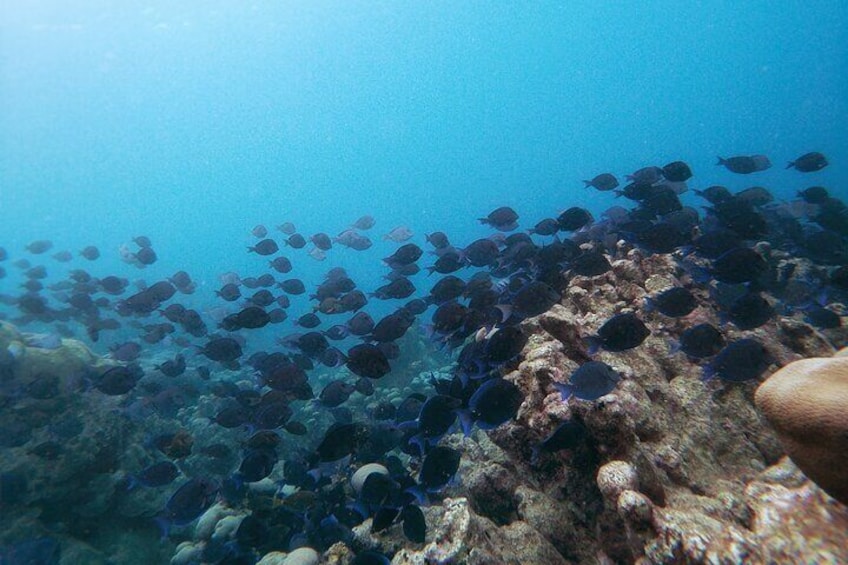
[(192, 124)]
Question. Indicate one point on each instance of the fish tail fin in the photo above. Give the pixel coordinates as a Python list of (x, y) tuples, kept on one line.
[(164, 526), (650, 305), (720, 161), (708, 373), (251, 249), (466, 419), (587, 183), (565, 390), (483, 220), (674, 346), (535, 455), (419, 493), (593, 344), (790, 164)]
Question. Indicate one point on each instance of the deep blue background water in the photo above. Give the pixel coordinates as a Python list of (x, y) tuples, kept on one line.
[(191, 124)]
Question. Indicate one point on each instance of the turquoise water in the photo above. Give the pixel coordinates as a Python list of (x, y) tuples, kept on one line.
[(193, 124)]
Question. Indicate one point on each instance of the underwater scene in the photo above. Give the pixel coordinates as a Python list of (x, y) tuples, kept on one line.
[(373, 282)]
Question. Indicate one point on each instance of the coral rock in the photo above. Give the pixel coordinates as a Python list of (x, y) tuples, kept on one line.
[(805, 403)]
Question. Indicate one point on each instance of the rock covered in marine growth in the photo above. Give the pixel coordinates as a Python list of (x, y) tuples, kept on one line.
[(806, 404)]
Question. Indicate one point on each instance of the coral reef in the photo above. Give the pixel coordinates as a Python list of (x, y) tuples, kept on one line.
[(805, 403)]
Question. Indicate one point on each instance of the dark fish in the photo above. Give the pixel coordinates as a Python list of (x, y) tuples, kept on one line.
[(661, 237), (262, 298), (155, 475), (438, 240), (620, 333), (755, 196), (602, 182), (416, 306), (392, 326), (146, 256), (222, 349), (322, 241), (259, 231), (714, 244), (296, 241), (548, 226), (742, 360), (296, 428), (750, 311), (448, 317), (364, 223), (809, 162), (568, 435), (590, 264), (591, 381), (448, 288), (143, 241), (674, 302), (438, 468), (398, 288), (504, 344), (494, 403), (257, 464), (191, 500), (366, 360), (382, 520), (293, 286), (448, 263), (481, 253), (125, 352), (308, 321), (232, 416), (414, 524), (502, 219), (229, 292), (647, 175), (264, 247), (281, 264), (739, 265), (287, 228), (745, 165), (118, 380), (399, 234), (364, 386), (715, 194), (341, 440), (360, 324), (437, 416), (574, 218), (63, 256), (814, 195), (821, 317), (175, 445), (534, 298), (700, 341), (173, 367), (285, 377), (677, 171), (335, 393), (404, 255), (271, 414), (252, 532), (39, 246)]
